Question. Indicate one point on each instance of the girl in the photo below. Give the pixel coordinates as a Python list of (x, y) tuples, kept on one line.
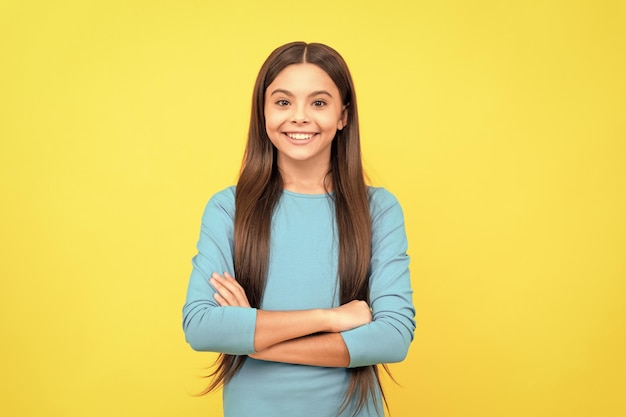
[(301, 280)]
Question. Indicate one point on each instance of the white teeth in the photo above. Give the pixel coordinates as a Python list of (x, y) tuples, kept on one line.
[(300, 136)]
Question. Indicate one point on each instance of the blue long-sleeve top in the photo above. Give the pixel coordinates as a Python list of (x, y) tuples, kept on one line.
[(302, 275)]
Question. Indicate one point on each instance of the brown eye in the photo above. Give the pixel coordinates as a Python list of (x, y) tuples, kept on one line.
[(282, 103), (319, 103)]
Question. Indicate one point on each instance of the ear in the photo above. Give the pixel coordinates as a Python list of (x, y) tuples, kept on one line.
[(343, 121)]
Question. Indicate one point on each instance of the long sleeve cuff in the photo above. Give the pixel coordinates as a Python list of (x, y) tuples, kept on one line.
[(376, 343), (221, 329)]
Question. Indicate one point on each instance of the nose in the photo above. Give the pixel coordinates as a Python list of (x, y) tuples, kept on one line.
[(299, 115)]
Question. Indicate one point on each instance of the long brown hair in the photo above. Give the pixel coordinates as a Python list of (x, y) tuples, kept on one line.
[(260, 186)]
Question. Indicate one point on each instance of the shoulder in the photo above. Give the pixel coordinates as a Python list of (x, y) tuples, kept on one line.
[(225, 196), (223, 201), (381, 199)]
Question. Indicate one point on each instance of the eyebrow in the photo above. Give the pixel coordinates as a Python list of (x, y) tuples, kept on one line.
[(290, 94)]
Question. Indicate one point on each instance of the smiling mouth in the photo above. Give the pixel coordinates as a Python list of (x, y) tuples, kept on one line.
[(300, 136)]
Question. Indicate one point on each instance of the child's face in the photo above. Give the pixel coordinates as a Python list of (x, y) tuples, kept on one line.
[(303, 111)]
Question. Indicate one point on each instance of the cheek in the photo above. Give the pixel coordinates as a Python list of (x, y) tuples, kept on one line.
[(333, 122), (271, 121)]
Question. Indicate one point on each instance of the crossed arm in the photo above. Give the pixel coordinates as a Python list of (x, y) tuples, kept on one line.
[(306, 337), (350, 335)]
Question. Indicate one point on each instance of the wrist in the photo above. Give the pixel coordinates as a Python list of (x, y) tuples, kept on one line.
[(329, 320)]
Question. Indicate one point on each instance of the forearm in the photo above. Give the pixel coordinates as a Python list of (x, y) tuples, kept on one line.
[(274, 327), (322, 349)]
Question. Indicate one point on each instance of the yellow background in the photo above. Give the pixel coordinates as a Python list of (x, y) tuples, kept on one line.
[(499, 126)]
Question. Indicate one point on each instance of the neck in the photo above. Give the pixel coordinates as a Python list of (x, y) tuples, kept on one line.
[(305, 178)]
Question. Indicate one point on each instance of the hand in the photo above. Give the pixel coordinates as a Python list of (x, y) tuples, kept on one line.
[(350, 315), (229, 292)]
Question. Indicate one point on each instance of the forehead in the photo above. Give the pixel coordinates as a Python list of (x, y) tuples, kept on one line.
[(303, 78)]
